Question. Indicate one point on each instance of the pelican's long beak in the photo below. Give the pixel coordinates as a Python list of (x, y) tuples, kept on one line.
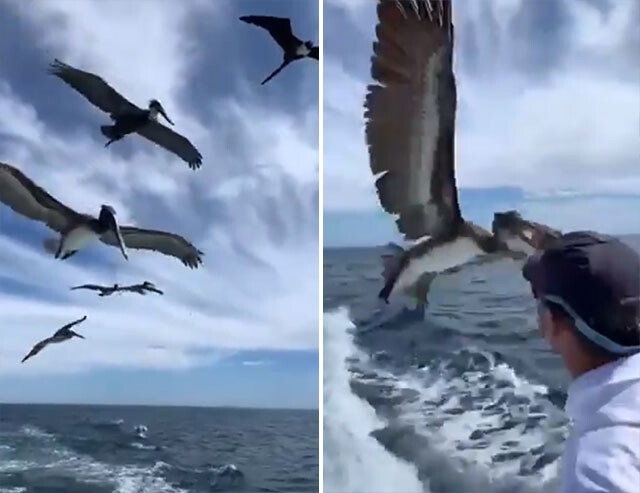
[(164, 114), (78, 335), (121, 244)]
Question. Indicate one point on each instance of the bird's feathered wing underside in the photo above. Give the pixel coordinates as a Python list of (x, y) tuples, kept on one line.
[(28, 199), (410, 116), (94, 88), (315, 53), (159, 241), (165, 137), (278, 27)]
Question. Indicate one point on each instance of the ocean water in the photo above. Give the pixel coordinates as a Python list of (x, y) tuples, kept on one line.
[(465, 397), (129, 449)]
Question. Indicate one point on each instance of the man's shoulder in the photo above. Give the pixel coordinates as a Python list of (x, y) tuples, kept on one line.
[(603, 460)]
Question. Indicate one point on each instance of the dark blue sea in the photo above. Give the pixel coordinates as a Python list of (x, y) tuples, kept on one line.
[(465, 397), (130, 449)]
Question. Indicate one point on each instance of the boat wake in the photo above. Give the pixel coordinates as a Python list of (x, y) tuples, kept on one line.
[(462, 422), (350, 452), (46, 461)]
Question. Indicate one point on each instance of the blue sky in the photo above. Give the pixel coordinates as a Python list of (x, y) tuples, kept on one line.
[(547, 121), (241, 330)]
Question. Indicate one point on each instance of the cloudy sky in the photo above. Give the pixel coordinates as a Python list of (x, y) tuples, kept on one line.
[(242, 329), (548, 115)]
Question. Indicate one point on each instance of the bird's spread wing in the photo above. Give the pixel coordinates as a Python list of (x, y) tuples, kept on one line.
[(410, 116), (160, 241), (69, 325), (94, 287), (25, 197), (278, 27), (315, 53), (172, 141), (37, 348), (94, 88)]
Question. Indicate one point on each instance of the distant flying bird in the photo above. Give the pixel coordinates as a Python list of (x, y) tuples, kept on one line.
[(77, 230), (142, 288), (63, 334), (128, 117), (410, 130), (280, 30)]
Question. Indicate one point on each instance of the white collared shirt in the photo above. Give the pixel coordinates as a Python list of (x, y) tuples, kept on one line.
[(603, 449)]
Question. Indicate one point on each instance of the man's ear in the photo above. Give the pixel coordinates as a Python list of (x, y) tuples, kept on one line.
[(560, 329), (552, 327)]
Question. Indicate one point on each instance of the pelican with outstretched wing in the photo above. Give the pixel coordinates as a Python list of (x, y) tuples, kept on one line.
[(410, 114), (127, 117), (63, 334), (280, 30), (77, 230)]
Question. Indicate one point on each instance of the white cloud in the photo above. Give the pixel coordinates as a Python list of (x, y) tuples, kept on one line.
[(348, 183), (575, 131), (132, 46), (254, 363), (258, 288)]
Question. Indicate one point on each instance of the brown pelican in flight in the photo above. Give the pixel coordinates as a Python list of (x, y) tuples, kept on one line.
[(128, 117), (280, 30), (141, 288), (63, 334), (77, 230), (410, 126)]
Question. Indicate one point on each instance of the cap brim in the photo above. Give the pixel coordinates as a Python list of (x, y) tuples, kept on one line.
[(532, 271)]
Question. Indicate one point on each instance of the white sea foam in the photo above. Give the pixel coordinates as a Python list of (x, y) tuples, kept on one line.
[(480, 422), (124, 478), (354, 461), (464, 423)]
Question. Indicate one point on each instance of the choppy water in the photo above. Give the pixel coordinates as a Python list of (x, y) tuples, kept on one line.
[(100, 449), (466, 398)]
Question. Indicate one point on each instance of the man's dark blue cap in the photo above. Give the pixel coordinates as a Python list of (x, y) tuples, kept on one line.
[(596, 279)]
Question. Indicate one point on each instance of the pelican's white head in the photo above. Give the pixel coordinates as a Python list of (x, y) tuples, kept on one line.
[(156, 108)]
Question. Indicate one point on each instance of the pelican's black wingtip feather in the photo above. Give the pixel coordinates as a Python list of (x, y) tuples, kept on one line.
[(57, 66), (197, 162)]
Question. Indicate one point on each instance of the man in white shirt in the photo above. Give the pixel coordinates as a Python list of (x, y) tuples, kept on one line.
[(588, 291)]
